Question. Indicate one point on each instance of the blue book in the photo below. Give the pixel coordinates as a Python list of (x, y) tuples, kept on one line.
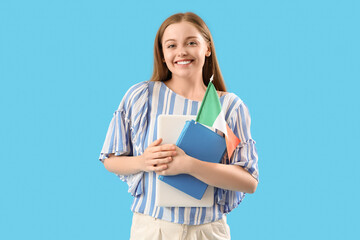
[(201, 143)]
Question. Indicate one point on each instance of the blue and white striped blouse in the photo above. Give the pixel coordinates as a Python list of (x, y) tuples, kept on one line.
[(134, 126)]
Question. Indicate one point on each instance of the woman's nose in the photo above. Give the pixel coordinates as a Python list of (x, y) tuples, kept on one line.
[(182, 52)]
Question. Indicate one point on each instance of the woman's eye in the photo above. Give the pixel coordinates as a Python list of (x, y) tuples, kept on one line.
[(171, 46), (192, 43)]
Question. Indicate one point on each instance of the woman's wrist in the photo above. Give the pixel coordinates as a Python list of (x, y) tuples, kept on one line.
[(140, 166), (191, 164)]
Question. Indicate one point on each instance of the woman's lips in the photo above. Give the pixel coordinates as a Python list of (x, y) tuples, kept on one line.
[(184, 62)]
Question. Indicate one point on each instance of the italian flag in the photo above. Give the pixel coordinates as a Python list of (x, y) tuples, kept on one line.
[(211, 114)]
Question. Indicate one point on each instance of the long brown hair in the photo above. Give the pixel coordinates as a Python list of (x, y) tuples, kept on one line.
[(211, 66)]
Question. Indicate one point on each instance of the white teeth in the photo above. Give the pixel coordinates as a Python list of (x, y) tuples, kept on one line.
[(184, 62)]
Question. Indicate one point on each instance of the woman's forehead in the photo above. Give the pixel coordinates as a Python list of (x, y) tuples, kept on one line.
[(180, 31)]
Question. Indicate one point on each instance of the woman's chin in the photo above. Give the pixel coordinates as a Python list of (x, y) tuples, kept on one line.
[(185, 74)]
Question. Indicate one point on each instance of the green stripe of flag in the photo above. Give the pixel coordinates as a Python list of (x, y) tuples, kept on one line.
[(210, 107)]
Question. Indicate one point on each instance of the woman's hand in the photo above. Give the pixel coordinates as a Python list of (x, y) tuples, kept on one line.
[(156, 158), (181, 163)]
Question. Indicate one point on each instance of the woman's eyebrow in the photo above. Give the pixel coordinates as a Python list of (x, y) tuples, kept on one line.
[(185, 39)]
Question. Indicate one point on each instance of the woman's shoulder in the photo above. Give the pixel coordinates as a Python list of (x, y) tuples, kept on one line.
[(136, 94), (231, 104), (141, 86), (230, 98)]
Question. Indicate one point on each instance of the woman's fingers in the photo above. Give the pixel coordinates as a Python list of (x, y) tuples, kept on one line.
[(156, 156), (165, 147), (164, 154), (158, 164), (156, 142), (159, 168), (160, 161)]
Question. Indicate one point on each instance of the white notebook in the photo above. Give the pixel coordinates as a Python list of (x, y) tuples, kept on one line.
[(169, 128)]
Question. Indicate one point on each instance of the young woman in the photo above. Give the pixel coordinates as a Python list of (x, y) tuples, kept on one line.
[(184, 61)]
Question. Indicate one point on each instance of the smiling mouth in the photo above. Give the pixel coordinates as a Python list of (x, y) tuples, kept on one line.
[(184, 62)]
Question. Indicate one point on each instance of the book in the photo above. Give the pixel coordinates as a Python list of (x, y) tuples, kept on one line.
[(202, 143), (169, 128)]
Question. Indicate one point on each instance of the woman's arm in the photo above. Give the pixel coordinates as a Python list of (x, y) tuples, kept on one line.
[(231, 177), (123, 165), (154, 158)]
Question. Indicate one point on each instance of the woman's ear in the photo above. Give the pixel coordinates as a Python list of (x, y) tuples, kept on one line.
[(208, 52)]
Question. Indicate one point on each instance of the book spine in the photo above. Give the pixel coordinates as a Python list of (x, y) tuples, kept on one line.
[(187, 124)]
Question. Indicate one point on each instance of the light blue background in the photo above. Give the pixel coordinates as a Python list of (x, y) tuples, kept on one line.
[(65, 65)]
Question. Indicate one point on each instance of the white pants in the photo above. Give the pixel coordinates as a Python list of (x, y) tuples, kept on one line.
[(145, 227)]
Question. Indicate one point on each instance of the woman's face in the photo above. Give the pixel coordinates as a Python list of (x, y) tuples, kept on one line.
[(184, 50)]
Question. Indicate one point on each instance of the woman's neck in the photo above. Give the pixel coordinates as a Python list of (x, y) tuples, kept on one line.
[(193, 89)]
